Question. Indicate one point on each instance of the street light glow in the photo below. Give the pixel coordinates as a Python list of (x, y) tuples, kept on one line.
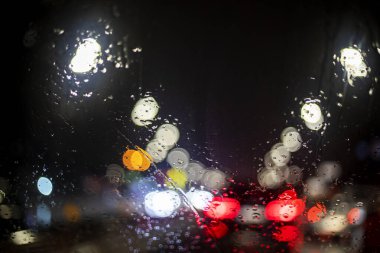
[(86, 57)]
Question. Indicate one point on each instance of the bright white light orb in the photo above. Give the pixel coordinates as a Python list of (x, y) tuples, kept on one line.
[(311, 112), (353, 62), (44, 186), (178, 158), (156, 150), (315, 126), (351, 56), (199, 199), (168, 135), (144, 111), (270, 178), (161, 204), (195, 171), (214, 179), (280, 155), (291, 139), (331, 224), (86, 57), (268, 162)]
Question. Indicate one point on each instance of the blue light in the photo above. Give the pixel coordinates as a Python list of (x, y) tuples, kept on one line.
[(45, 186), (43, 214)]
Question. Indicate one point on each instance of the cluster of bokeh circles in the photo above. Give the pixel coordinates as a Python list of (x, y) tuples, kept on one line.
[(191, 185)]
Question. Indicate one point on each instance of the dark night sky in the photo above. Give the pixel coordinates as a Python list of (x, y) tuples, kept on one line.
[(231, 71)]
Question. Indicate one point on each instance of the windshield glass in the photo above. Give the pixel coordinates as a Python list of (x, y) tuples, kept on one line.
[(213, 126)]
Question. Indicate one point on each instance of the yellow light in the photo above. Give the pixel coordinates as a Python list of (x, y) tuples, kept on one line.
[(178, 176), (23, 237)]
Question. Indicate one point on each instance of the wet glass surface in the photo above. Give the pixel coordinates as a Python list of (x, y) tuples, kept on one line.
[(147, 126)]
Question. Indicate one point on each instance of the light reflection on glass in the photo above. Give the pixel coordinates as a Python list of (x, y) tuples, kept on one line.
[(86, 57)]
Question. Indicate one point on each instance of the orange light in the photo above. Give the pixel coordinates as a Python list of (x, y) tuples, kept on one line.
[(316, 212), (136, 159), (71, 212)]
